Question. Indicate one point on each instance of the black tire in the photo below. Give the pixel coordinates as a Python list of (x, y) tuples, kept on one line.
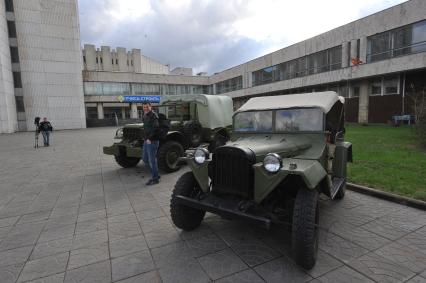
[(217, 141), (193, 131), (305, 228), (341, 193), (184, 217), (167, 156), (126, 162)]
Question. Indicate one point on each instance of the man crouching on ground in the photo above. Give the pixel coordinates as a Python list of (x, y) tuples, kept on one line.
[(150, 146)]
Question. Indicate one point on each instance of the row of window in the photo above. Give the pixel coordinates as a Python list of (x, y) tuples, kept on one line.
[(323, 61), (229, 85), (401, 41), (112, 61), (107, 88)]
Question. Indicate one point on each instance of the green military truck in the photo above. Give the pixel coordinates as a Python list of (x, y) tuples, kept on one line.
[(194, 120), (283, 152)]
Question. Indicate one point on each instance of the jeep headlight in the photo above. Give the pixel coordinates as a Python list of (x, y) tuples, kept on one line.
[(272, 162), (200, 155), (119, 133)]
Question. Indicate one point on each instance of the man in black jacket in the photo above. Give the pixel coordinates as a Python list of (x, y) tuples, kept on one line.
[(150, 146), (45, 128)]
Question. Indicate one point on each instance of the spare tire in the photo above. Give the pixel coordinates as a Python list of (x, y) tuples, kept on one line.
[(193, 131)]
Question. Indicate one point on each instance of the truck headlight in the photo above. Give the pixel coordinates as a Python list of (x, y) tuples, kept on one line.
[(119, 133), (200, 155), (272, 162)]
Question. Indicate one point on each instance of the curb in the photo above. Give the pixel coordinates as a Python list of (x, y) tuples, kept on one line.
[(387, 196)]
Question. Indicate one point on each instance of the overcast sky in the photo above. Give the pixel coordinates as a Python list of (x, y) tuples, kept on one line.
[(213, 35)]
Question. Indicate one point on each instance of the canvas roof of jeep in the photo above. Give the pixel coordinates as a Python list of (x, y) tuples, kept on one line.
[(324, 100), (214, 111)]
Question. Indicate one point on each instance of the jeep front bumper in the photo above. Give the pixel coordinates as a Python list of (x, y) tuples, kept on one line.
[(230, 209), (123, 150)]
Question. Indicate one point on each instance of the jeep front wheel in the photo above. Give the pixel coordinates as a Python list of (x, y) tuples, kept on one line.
[(184, 217), (126, 162), (305, 228), (168, 155)]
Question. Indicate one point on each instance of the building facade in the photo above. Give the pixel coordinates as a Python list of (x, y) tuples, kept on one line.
[(43, 50), (374, 62)]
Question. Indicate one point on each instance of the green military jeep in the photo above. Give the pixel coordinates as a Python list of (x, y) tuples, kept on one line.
[(283, 152), (193, 120)]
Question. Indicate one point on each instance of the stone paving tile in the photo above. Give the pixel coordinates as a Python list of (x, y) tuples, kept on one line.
[(172, 254), (10, 273), (324, 264), (4, 222), (221, 263), (91, 226), (205, 245), (89, 239), (255, 252), (246, 276), (361, 237), (183, 272), (131, 265), (14, 256), (91, 215), (21, 235), (127, 246), (56, 278), (158, 238), (88, 255), (202, 231), (381, 269), (93, 273), (59, 221), (51, 247), (340, 248), (282, 270), (57, 232), (404, 256), (415, 240), (417, 279), (147, 277), (384, 229), (344, 274), (4, 231), (34, 217), (43, 267)]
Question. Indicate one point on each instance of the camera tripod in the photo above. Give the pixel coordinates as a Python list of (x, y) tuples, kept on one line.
[(36, 134)]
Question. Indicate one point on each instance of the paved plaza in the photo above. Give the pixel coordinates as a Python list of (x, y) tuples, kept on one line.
[(68, 213)]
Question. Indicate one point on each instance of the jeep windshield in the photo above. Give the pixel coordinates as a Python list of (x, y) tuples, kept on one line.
[(280, 120), (175, 112)]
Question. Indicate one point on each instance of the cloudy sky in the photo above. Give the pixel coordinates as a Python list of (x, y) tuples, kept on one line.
[(213, 35)]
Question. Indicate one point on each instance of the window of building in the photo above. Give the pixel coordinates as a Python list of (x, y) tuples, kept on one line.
[(112, 61), (14, 54), (101, 60), (318, 62), (17, 82), (116, 61), (9, 5), (355, 91), (391, 85), (115, 88), (84, 59), (11, 27), (92, 112), (335, 55), (97, 60), (131, 62), (358, 48), (402, 41), (229, 85), (376, 87), (127, 62), (348, 63), (20, 107), (146, 89), (112, 112)]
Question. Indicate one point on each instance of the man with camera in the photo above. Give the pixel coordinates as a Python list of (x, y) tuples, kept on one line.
[(45, 128)]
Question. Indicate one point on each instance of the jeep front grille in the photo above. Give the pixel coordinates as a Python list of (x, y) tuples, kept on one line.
[(132, 134), (231, 171)]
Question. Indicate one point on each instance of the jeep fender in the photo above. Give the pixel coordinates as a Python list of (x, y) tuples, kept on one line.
[(200, 171), (176, 136), (311, 172)]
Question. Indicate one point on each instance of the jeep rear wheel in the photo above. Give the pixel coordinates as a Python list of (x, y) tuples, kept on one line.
[(184, 217), (305, 228), (168, 155), (126, 162)]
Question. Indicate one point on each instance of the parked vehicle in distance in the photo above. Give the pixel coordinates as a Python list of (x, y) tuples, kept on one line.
[(193, 119), (284, 151)]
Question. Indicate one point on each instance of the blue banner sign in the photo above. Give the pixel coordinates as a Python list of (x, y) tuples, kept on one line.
[(140, 98)]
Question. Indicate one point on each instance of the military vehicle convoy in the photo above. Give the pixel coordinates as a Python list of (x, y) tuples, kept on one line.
[(283, 152), (194, 120)]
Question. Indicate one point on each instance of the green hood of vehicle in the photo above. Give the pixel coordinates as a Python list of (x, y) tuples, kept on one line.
[(308, 146), (173, 124)]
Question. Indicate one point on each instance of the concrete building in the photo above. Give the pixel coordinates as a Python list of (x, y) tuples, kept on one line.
[(375, 62), (41, 52)]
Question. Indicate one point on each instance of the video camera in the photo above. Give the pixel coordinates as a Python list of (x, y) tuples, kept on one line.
[(37, 121)]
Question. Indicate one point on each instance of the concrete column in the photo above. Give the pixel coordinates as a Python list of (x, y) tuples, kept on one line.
[(106, 58), (122, 59), (137, 62), (133, 111), (345, 54), (249, 79), (214, 89), (353, 51), (90, 53), (123, 113), (363, 103), (363, 49), (100, 111), (130, 60)]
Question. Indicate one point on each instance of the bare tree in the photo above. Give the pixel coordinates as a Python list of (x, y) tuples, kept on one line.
[(418, 97)]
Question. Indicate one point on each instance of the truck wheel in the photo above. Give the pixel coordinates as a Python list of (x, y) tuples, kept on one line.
[(341, 193), (193, 132), (168, 155), (126, 162), (305, 228), (184, 217)]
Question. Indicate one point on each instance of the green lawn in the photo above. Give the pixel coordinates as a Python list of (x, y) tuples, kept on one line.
[(387, 158)]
